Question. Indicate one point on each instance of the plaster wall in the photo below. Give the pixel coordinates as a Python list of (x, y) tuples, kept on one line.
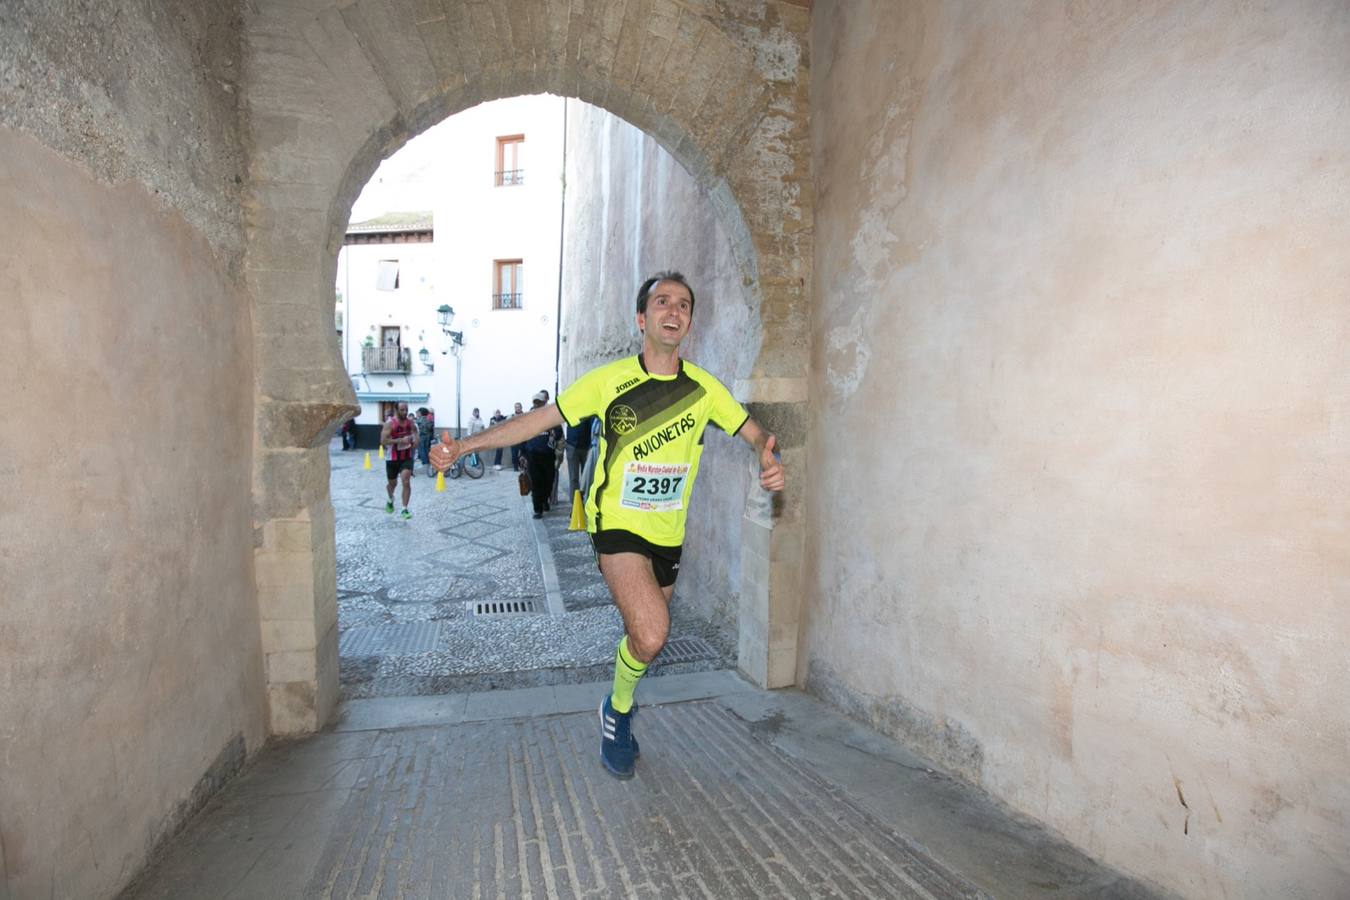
[(1080, 396), (632, 210), (130, 666)]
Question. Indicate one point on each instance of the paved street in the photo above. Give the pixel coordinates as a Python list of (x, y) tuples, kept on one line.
[(415, 598), (739, 793)]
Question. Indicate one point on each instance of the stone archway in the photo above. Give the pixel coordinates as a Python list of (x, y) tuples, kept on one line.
[(332, 87)]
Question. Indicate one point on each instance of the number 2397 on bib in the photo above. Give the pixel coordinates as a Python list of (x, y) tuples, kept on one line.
[(653, 487)]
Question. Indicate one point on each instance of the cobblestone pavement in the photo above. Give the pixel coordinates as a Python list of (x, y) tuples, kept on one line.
[(407, 592)]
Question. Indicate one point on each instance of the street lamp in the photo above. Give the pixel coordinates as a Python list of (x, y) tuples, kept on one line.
[(445, 314), (425, 356)]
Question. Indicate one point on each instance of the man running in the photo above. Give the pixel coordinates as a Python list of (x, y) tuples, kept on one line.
[(399, 437), (653, 408)]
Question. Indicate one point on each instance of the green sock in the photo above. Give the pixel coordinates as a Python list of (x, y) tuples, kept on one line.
[(627, 671)]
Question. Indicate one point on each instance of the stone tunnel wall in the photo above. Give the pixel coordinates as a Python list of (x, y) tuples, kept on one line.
[(1081, 409), (632, 210), (130, 663)]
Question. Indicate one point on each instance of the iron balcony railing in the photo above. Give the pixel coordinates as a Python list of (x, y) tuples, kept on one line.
[(510, 176), (386, 359), (506, 301)]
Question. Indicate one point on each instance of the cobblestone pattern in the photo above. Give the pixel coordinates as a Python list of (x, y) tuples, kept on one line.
[(473, 542), (525, 810)]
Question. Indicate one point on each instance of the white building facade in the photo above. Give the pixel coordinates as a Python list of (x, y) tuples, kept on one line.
[(467, 216)]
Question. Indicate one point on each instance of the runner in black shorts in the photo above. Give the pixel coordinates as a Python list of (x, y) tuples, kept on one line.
[(653, 408), (665, 560), (399, 438)]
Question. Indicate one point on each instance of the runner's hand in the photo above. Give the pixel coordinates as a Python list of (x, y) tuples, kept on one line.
[(770, 467), (444, 454)]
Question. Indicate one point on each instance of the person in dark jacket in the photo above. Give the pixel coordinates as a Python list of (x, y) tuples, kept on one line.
[(540, 455)]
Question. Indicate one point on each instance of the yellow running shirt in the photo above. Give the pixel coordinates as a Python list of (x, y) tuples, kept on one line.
[(651, 438)]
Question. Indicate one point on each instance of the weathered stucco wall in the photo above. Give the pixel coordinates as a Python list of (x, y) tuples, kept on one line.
[(633, 210), (1081, 412), (130, 669)]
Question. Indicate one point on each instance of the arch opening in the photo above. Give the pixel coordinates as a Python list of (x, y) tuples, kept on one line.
[(428, 605), (353, 90)]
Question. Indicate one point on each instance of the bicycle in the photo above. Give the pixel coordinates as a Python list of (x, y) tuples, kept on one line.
[(470, 464)]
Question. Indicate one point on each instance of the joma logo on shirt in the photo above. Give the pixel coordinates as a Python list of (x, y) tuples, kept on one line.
[(626, 385), (658, 439)]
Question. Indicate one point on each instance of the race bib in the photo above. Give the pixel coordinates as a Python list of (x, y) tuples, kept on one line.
[(653, 487)]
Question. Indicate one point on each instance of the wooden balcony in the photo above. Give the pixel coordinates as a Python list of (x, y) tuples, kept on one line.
[(383, 360)]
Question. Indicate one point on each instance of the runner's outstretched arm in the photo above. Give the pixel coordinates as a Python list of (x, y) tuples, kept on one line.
[(513, 431), (771, 476)]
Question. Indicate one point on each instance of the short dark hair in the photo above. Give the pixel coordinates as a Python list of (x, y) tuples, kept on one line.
[(650, 284)]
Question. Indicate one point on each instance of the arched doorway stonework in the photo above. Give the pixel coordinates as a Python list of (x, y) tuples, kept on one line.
[(331, 87)]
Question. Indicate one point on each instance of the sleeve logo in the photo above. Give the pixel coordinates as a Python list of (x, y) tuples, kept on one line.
[(622, 419)]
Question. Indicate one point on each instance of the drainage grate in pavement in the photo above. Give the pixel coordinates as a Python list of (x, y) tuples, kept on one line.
[(504, 607), (685, 650), (390, 640)]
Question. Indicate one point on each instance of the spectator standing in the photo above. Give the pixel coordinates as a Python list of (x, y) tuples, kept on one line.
[(426, 427), (497, 419), (541, 455), (578, 448), (518, 451), (552, 499)]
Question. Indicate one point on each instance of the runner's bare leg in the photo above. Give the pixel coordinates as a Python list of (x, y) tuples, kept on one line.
[(644, 605)]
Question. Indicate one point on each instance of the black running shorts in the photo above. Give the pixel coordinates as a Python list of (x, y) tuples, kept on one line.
[(393, 466), (665, 560)]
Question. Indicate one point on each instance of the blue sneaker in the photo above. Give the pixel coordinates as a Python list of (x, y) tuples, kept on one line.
[(618, 749)]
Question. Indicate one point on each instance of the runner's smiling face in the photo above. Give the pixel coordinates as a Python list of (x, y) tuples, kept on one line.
[(668, 316)]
